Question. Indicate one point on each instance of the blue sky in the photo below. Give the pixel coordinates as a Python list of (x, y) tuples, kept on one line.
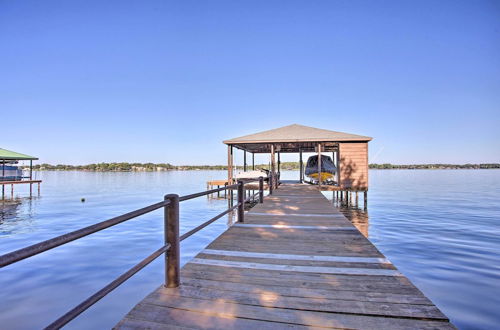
[(167, 81)]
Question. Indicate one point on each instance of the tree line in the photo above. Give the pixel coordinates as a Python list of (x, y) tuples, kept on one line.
[(152, 167), (434, 166)]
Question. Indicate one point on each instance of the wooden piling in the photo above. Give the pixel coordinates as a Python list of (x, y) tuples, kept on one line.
[(365, 197)]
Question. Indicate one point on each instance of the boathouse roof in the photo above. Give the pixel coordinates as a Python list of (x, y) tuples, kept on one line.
[(292, 138), (12, 155)]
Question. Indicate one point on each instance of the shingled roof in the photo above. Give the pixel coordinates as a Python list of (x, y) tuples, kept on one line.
[(297, 133)]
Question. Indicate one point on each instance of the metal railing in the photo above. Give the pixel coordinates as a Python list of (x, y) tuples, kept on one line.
[(171, 248)]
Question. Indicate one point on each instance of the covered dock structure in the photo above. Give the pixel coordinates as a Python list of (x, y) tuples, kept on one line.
[(349, 153), (12, 157)]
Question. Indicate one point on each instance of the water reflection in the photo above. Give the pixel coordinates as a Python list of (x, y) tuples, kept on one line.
[(353, 212), (16, 214), (358, 217)]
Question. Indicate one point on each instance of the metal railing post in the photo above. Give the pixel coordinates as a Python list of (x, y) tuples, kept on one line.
[(261, 190), (171, 228), (241, 203)]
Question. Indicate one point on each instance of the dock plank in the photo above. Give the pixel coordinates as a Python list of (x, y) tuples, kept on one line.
[(296, 262)]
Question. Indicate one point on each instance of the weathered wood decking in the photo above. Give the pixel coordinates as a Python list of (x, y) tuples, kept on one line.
[(296, 262)]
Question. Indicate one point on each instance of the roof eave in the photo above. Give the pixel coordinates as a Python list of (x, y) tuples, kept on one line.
[(361, 139), (17, 158)]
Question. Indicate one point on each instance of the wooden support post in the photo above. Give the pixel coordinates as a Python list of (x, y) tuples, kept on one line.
[(38, 188), (301, 165), (319, 165), (273, 166), (241, 201), (230, 174), (244, 160), (337, 158), (171, 228), (270, 184), (261, 190), (347, 198), (253, 161), (357, 198), (31, 170), (365, 197), (279, 163), (3, 177)]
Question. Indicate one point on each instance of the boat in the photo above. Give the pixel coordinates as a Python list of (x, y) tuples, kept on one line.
[(252, 175), (9, 172), (328, 168)]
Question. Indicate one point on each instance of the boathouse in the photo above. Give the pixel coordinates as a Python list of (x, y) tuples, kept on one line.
[(11, 174), (348, 151)]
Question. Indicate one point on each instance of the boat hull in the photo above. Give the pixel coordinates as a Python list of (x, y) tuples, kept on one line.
[(324, 176), (327, 171)]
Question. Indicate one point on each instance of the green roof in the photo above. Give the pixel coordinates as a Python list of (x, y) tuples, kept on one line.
[(12, 155)]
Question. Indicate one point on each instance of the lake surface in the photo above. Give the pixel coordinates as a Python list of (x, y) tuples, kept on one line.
[(441, 228)]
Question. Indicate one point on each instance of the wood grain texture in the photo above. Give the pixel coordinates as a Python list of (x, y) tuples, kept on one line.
[(353, 165), (282, 271)]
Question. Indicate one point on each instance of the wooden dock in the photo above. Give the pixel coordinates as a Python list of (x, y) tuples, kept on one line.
[(12, 183), (296, 262)]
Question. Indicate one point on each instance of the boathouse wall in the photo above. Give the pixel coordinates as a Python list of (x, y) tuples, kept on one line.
[(353, 165)]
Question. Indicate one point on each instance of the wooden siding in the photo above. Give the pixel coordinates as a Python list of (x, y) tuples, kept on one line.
[(353, 165)]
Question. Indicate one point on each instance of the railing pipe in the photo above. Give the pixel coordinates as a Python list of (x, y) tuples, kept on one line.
[(171, 228), (241, 201), (60, 322), (208, 192), (37, 248), (261, 189)]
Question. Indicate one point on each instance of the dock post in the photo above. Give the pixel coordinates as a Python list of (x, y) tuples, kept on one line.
[(319, 165), (261, 190), (300, 165), (241, 201), (244, 160), (171, 228), (270, 184), (365, 199)]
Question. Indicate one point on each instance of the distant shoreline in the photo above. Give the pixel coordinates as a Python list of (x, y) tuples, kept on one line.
[(151, 167)]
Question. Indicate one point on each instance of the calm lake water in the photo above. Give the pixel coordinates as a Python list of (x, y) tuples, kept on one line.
[(441, 228)]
